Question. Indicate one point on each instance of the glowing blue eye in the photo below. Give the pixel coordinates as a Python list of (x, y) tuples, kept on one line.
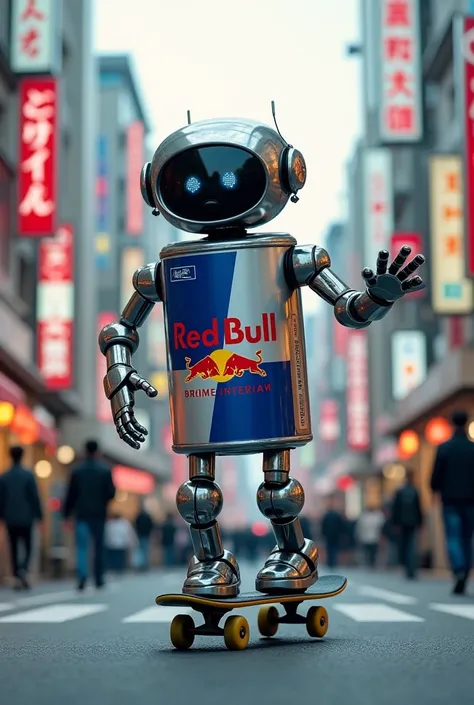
[(192, 184), (229, 180)]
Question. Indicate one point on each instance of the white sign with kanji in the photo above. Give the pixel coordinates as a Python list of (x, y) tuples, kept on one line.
[(401, 108), (409, 364), (378, 203), (35, 40)]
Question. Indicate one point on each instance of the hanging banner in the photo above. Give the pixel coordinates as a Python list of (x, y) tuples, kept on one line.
[(55, 310), (409, 362), (102, 238), (329, 426), (378, 204), (35, 41), (104, 412), (401, 98), (37, 172), (135, 203), (464, 48), (357, 391), (451, 292)]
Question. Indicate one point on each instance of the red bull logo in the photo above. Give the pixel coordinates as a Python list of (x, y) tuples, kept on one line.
[(234, 333), (222, 365)]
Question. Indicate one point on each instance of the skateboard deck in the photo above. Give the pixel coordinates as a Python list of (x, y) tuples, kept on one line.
[(236, 629)]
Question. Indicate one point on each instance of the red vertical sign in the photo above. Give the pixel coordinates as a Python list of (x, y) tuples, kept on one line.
[(38, 130), (468, 87), (55, 309), (104, 413), (357, 391), (135, 137)]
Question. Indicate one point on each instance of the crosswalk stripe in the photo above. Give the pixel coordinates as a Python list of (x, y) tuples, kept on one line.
[(375, 612), (53, 614), (466, 611), (156, 614), (396, 597), (5, 606)]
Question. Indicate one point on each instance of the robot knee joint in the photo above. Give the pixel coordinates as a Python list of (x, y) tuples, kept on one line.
[(281, 503), (199, 501)]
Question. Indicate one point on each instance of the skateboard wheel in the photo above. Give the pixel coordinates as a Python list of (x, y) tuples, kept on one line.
[(236, 633), (317, 622), (182, 632), (268, 620)]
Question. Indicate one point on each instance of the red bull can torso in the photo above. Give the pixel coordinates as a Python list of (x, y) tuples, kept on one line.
[(235, 345)]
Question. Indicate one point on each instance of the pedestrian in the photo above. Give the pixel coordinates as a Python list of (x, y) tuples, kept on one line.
[(407, 519), (168, 537), (144, 528), (90, 490), (453, 481), (333, 529), (20, 508), (369, 532), (120, 538)]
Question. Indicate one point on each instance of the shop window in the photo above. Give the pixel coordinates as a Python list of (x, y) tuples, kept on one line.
[(27, 281), (6, 209)]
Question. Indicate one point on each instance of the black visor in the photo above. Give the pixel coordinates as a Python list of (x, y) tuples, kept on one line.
[(212, 183)]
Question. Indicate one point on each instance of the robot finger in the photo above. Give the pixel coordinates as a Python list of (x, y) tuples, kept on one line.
[(369, 276), (399, 260), (141, 383), (128, 422), (411, 267), (382, 261), (125, 436)]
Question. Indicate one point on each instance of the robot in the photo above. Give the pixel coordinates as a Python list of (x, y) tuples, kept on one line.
[(235, 339)]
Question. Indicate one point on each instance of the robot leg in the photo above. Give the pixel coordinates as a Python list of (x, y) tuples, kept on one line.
[(293, 563), (212, 570)]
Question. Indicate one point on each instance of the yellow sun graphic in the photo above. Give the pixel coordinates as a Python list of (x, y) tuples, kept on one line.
[(220, 357)]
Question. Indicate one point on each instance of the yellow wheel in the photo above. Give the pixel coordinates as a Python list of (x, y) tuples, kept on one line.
[(317, 622), (268, 620), (236, 633), (182, 632)]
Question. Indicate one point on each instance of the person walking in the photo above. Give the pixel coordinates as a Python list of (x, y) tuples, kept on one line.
[(407, 519), (90, 490), (20, 508), (452, 480), (369, 532), (168, 541), (333, 530), (120, 539), (144, 528)]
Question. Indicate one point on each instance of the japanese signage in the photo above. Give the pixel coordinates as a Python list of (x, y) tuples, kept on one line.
[(135, 136), (55, 309), (104, 413), (451, 291), (467, 83), (329, 427), (35, 36), (102, 238), (38, 157), (357, 391), (415, 242), (409, 365), (132, 259), (400, 67), (378, 203)]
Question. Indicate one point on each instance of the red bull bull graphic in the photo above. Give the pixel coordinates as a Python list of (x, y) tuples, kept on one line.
[(222, 366)]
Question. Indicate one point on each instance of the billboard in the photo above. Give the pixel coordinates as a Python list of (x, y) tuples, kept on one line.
[(451, 292), (38, 161), (357, 391), (329, 426), (135, 203), (35, 40), (401, 106), (102, 238), (378, 203), (55, 309), (104, 413), (464, 38), (132, 259), (409, 363)]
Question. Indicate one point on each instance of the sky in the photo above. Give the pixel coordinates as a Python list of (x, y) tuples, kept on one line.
[(217, 58)]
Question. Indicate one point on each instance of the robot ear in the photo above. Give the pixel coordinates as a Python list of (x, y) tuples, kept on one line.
[(145, 186), (292, 170)]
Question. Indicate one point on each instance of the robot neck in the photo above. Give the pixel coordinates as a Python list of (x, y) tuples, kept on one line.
[(231, 233)]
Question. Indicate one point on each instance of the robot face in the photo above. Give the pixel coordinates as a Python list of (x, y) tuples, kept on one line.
[(212, 183)]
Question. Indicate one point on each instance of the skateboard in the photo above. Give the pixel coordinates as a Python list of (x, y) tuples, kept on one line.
[(236, 631)]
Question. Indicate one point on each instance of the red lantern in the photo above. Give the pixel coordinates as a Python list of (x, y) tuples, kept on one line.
[(437, 431), (408, 444)]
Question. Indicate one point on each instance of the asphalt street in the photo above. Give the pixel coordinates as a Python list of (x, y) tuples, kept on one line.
[(389, 642)]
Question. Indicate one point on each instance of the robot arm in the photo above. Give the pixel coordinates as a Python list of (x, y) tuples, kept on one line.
[(310, 266), (118, 341)]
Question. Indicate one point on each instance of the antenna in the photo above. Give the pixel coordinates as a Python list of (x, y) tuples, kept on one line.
[(276, 124), (189, 117)]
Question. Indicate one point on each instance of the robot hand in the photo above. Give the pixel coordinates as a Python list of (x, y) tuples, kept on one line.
[(388, 286), (120, 384)]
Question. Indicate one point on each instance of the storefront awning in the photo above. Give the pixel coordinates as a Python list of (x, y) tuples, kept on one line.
[(448, 378)]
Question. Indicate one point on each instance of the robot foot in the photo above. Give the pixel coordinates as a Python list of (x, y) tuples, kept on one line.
[(214, 578), (289, 571)]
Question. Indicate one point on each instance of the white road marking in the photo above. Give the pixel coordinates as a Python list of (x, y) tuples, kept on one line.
[(466, 611), (53, 614), (5, 606), (65, 595), (387, 595), (374, 612), (156, 614)]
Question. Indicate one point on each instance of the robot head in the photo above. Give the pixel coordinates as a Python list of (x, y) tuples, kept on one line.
[(222, 173)]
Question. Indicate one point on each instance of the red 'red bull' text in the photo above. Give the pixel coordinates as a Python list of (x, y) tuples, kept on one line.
[(234, 333)]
